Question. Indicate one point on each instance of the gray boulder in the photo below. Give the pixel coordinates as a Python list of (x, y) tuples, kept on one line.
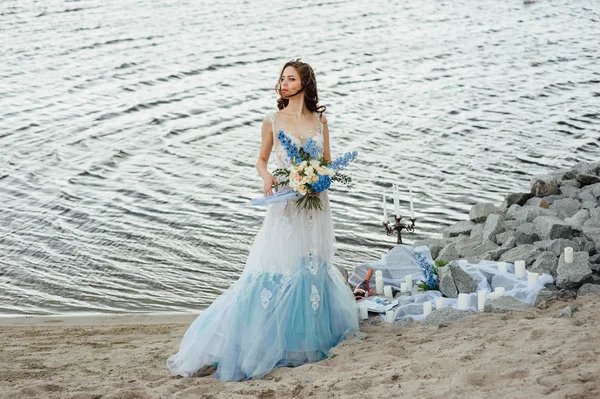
[(494, 224), (529, 213), (585, 245), (513, 211), (464, 282), (502, 237), (542, 186), (570, 183), (589, 205), (565, 207), (573, 275), (569, 191), (434, 245), (593, 234), (462, 227), (586, 179), (444, 317), (551, 228), (480, 212), (576, 221), (447, 286), (506, 304), (589, 289), (527, 252), (477, 232), (448, 253), (478, 251), (545, 294), (556, 246), (547, 262), (524, 234), (516, 198)]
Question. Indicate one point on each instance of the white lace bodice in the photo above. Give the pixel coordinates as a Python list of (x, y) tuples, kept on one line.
[(281, 158)]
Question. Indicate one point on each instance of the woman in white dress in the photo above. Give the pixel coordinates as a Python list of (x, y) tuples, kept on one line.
[(291, 304)]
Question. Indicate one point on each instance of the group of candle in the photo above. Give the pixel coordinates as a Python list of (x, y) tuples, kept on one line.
[(463, 299), (396, 192), (386, 290)]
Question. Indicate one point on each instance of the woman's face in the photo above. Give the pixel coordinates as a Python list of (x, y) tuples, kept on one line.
[(290, 82)]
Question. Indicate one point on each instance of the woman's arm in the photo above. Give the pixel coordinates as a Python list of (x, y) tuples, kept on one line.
[(326, 150), (263, 157)]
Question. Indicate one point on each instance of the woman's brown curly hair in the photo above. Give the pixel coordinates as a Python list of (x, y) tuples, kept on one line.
[(309, 84)]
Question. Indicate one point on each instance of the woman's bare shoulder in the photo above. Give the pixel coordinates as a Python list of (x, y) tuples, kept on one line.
[(322, 118)]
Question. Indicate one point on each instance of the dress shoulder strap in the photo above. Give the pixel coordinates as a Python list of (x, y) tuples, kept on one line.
[(320, 123)]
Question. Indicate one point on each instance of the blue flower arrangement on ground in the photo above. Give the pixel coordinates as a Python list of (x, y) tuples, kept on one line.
[(431, 281), (310, 172)]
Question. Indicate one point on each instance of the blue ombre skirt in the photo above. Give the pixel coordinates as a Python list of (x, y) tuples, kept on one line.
[(289, 307)]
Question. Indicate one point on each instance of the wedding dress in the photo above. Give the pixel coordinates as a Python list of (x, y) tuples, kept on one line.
[(289, 306)]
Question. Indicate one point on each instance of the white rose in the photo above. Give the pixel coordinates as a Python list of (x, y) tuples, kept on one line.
[(314, 163), (302, 190)]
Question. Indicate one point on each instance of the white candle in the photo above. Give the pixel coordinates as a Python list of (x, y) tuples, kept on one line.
[(396, 201), (364, 312), (439, 303), (387, 291), (568, 255), (426, 308), (520, 268), (502, 267), (481, 298), (384, 209), (403, 287), (390, 316), (493, 295), (409, 283), (463, 301), (532, 279), (379, 285), (499, 291), (412, 208)]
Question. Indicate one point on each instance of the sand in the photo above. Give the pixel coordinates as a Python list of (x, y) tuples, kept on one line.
[(512, 355)]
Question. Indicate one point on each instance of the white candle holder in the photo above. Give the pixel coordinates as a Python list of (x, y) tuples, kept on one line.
[(403, 287), (499, 291)]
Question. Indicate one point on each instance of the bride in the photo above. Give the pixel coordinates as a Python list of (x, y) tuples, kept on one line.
[(291, 304)]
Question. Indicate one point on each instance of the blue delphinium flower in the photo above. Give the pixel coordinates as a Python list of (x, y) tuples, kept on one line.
[(322, 184), (310, 147), (431, 279), (344, 160), (290, 148)]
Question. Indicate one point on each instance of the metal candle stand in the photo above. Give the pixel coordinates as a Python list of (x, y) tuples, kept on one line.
[(398, 226)]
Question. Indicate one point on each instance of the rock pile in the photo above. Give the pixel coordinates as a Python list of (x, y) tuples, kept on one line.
[(561, 210)]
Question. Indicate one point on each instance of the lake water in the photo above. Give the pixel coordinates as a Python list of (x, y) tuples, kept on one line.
[(129, 130)]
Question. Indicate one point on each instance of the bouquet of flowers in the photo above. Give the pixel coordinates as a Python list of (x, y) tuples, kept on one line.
[(309, 172)]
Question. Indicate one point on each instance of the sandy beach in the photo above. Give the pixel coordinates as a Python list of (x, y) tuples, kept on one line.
[(518, 355)]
